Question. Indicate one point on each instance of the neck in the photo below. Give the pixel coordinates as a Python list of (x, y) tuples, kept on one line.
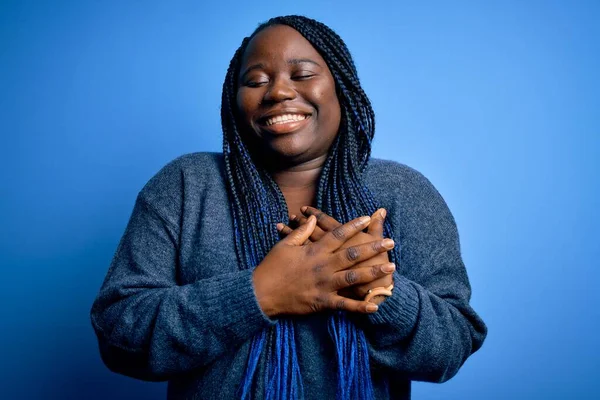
[(298, 183), (301, 176)]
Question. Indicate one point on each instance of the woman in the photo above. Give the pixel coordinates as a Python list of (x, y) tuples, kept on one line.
[(212, 289)]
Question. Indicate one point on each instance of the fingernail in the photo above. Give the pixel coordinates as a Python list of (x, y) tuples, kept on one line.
[(372, 307), (292, 217), (388, 268), (388, 243), (303, 208), (383, 213), (279, 226), (364, 220)]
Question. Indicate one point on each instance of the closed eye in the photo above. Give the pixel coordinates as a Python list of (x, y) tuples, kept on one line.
[(302, 77), (255, 84)]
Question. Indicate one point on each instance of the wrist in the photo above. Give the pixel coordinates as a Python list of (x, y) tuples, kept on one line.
[(263, 295)]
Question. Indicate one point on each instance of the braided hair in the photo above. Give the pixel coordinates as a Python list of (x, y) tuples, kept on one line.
[(258, 205)]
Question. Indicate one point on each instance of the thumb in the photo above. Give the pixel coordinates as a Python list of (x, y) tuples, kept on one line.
[(301, 234), (377, 220)]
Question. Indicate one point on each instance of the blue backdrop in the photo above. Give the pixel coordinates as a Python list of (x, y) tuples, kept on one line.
[(497, 104)]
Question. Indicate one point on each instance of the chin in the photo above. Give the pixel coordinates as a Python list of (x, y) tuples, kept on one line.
[(289, 147), (289, 154), (277, 157)]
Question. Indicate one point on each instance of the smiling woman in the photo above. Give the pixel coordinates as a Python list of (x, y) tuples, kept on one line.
[(274, 270), (287, 96)]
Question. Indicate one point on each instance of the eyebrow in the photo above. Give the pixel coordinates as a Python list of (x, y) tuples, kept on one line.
[(252, 68), (296, 61), (292, 61)]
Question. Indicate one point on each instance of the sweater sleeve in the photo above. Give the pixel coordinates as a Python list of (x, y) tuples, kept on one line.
[(151, 328), (427, 328)]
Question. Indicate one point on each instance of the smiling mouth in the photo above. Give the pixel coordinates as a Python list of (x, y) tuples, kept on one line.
[(284, 119)]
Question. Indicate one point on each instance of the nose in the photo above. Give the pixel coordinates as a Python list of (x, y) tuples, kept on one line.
[(281, 89)]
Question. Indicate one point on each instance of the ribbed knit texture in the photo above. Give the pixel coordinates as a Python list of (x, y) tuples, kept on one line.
[(175, 304)]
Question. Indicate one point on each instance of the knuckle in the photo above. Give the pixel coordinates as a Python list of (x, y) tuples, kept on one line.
[(311, 250), (319, 301), (351, 277), (321, 283), (375, 271), (338, 233), (376, 246), (318, 268), (319, 215), (352, 253), (340, 304)]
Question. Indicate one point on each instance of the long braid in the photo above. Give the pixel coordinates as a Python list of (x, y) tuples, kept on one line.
[(258, 205)]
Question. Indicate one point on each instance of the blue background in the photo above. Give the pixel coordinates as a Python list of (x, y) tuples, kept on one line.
[(497, 104)]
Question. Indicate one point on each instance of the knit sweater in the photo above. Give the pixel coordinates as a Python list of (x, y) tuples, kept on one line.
[(176, 304)]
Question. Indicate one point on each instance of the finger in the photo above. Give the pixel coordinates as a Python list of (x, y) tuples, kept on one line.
[(301, 234), (337, 302), (324, 221), (360, 276), (334, 239), (317, 234), (380, 259), (360, 291), (292, 222), (355, 254), (283, 229), (295, 220), (376, 225)]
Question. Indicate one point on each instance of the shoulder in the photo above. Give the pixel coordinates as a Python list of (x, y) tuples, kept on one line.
[(391, 178), (206, 166), (204, 163), (408, 193), (186, 178)]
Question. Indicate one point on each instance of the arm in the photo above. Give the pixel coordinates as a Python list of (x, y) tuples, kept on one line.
[(150, 328), (426, 329)]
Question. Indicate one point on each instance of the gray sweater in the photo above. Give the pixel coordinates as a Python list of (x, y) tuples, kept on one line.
[(177, 306)]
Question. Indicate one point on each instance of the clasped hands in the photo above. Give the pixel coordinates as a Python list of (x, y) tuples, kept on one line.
[(328, 265)]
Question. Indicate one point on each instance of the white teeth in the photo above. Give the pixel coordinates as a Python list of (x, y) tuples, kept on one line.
[(281, 119)]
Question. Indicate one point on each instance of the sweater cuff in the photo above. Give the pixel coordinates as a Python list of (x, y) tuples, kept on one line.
[(398, 312), (234, 308)]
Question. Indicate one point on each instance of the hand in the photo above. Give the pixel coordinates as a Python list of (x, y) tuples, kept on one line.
[(325, 223), (299, 278)]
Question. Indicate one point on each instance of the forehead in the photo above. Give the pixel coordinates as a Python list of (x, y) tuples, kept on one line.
[(279, 42)]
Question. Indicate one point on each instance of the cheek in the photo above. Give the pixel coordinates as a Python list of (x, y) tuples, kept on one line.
[(246, 103), (330, 105)]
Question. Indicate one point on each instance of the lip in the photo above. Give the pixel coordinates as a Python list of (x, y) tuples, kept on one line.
[(286, 127), (281, 111)]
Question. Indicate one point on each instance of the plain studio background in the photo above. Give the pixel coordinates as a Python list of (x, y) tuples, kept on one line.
[(497, 104)]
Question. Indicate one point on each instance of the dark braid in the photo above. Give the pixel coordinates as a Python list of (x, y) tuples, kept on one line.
[(258, 205)]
